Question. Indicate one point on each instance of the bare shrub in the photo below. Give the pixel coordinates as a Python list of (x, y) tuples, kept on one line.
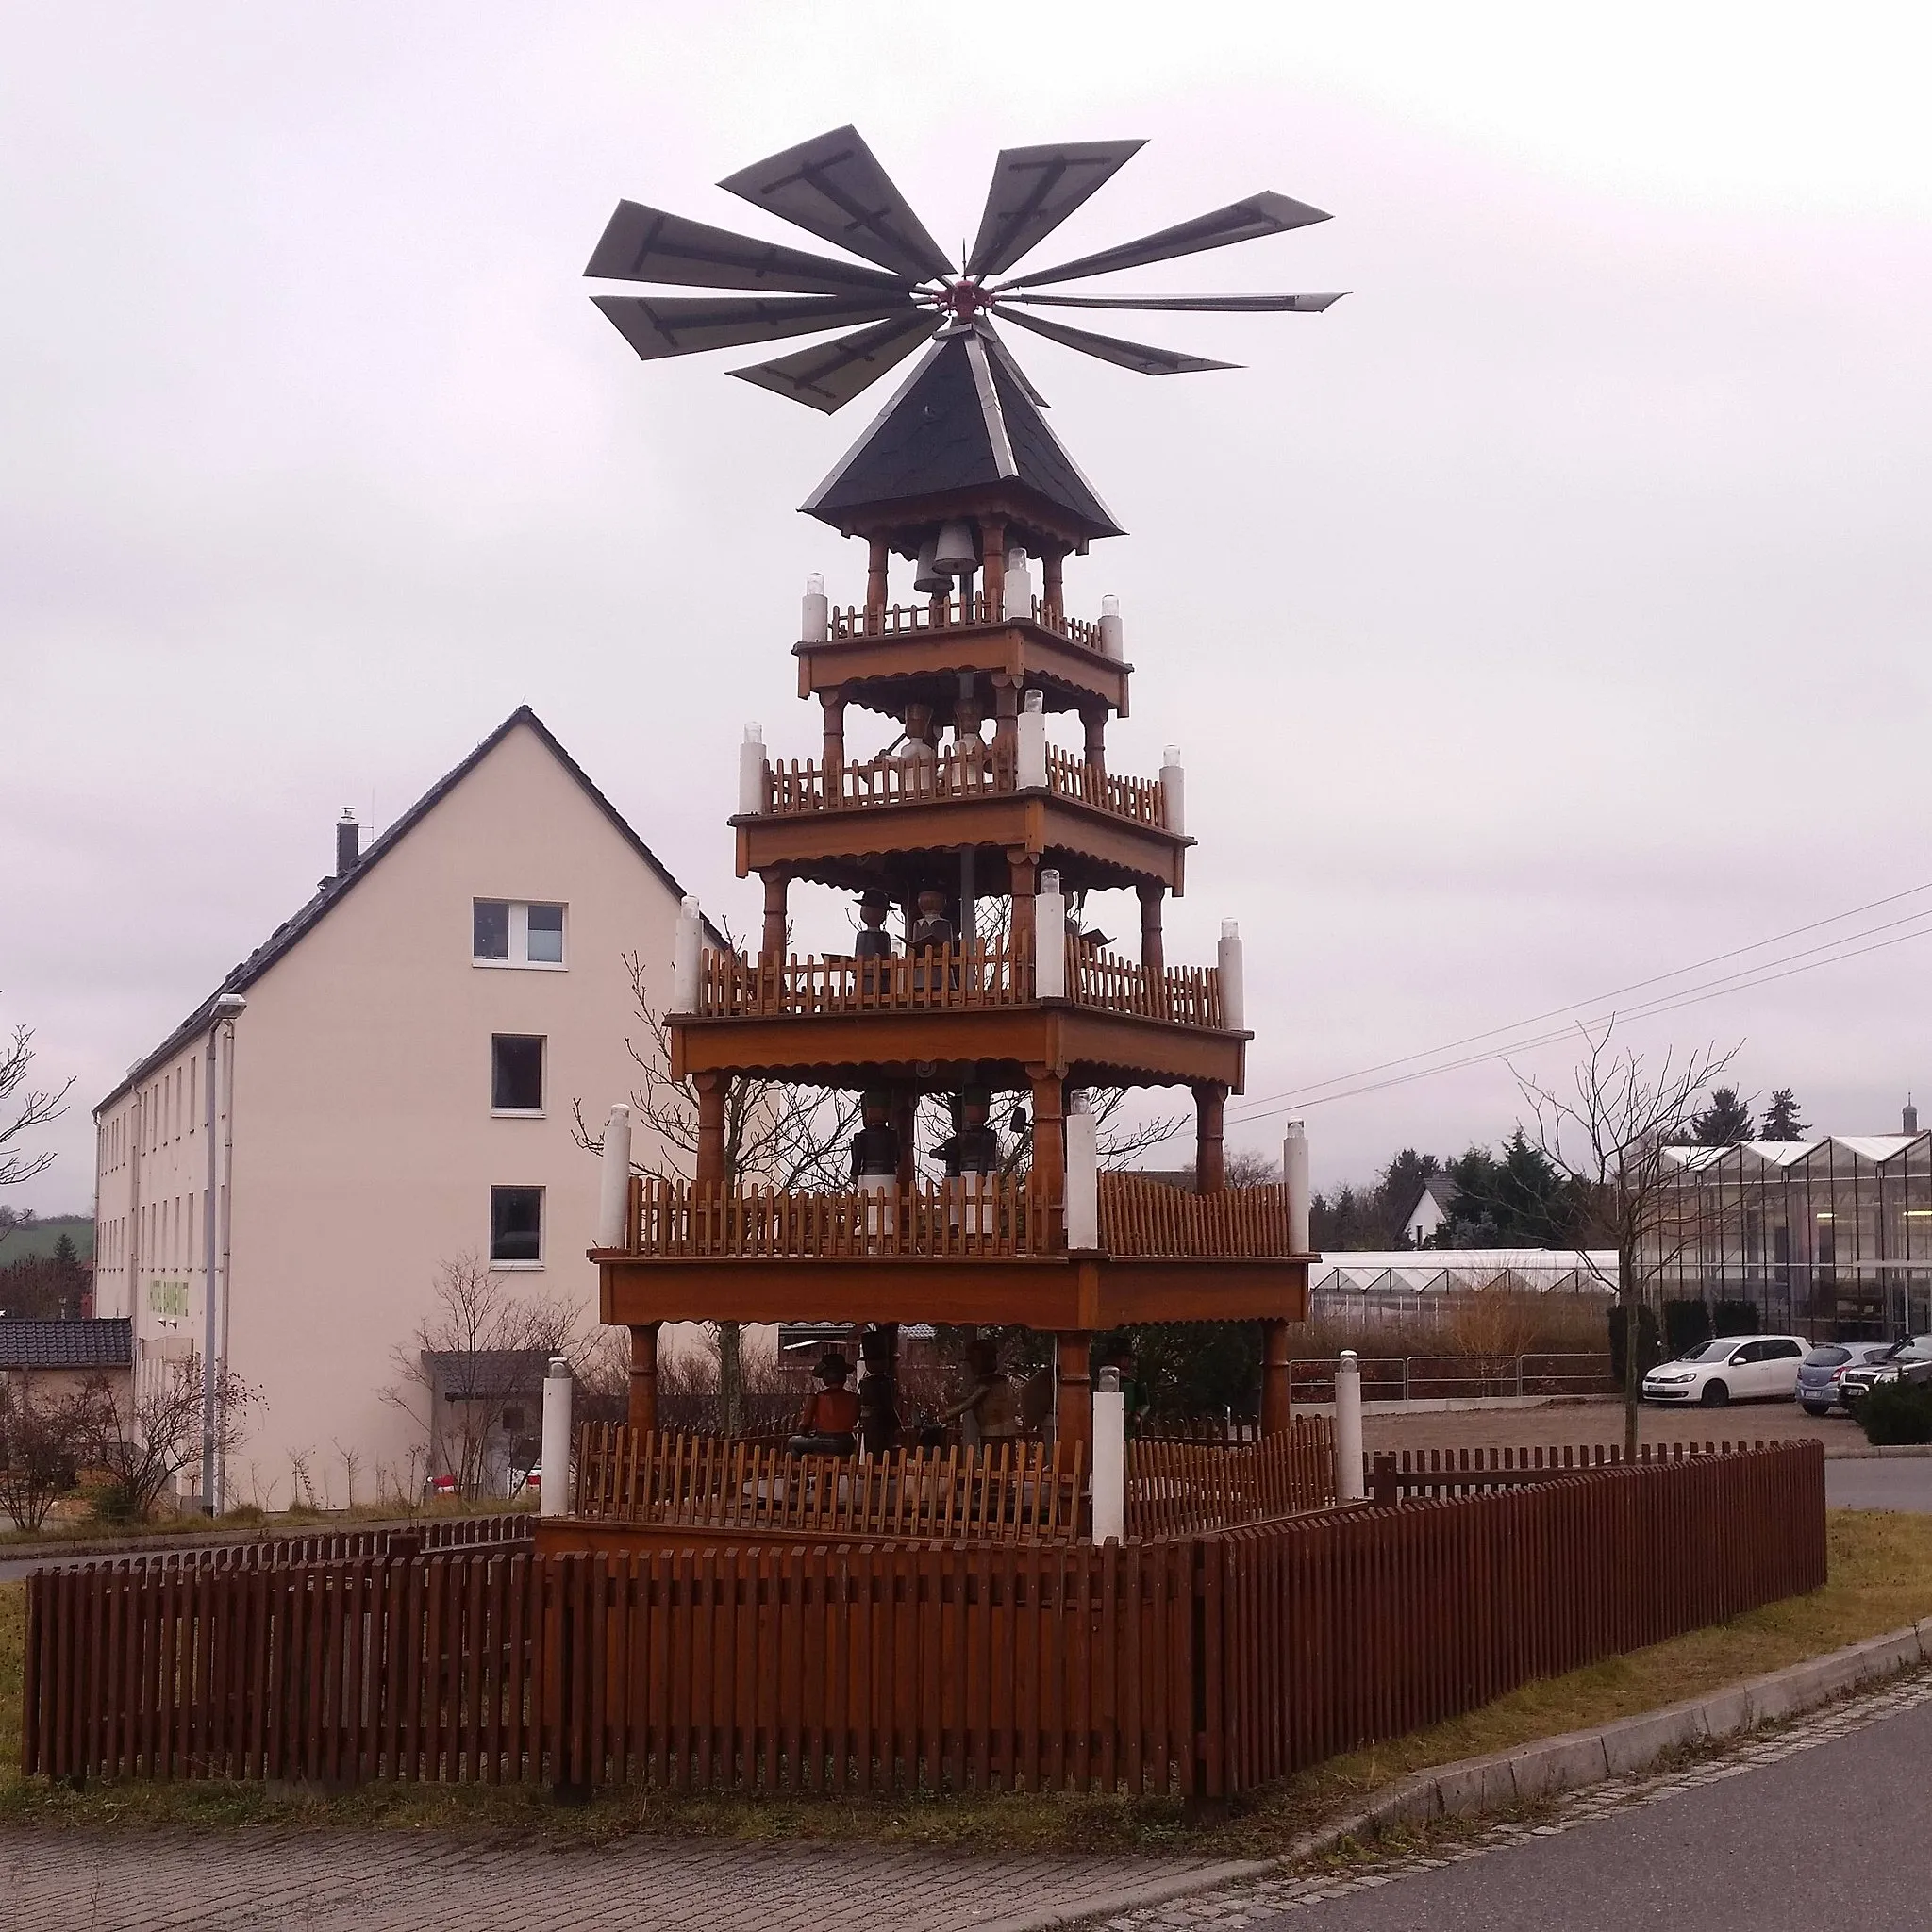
[(142, 1438), (40, 1446)]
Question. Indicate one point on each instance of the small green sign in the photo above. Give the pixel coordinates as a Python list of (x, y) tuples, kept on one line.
[(167, 1297)]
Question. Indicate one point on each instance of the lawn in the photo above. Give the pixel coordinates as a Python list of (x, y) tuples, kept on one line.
[(1880, 1579)]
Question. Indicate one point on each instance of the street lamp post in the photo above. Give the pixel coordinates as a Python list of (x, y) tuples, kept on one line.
[(226, 1008)]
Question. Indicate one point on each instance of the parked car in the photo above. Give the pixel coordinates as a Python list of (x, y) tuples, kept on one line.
[(1905, 1361), (1733, 1367), (1819, 1373)]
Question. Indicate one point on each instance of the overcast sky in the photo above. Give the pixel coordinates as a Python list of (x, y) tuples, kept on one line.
[(1548, 615)]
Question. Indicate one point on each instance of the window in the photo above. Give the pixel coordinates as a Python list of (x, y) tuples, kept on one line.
[(516, 1073), (515, 932), (516, 1227)]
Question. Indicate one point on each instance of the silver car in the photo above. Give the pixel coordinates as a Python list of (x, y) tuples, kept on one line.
[(1821, 1374)]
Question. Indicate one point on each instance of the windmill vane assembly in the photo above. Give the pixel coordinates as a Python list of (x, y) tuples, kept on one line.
[(833, 188)]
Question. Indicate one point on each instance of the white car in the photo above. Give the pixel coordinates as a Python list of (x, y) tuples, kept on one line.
[(1733, 1367)]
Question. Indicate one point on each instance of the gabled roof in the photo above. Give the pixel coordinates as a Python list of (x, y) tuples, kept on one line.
[(1437, 1188), (332, 892), (961, 421), (99, 1342)]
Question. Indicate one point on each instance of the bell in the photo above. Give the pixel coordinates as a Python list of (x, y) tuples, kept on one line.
[(955, 551), (930, 581)]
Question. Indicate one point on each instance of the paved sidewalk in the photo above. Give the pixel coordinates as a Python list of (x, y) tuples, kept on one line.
[(55, 1880)]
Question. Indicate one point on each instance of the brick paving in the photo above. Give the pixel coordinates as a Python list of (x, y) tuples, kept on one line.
[(1256, 1902), (55, 1880)]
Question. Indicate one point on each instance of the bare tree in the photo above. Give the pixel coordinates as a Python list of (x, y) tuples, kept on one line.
[(1607, 1135), (775, 1131), (41, 1442), (28, 1107), (142, 1437), (477, 1354)]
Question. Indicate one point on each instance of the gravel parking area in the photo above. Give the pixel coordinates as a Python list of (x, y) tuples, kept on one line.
[(1580, 1423)]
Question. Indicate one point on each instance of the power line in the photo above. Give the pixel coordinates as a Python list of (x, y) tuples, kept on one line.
[(1615, 992), (1737, 982)]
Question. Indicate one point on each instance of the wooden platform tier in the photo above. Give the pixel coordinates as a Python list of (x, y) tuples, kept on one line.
[(880, 658), (843, 1023), (942, 1253), (836, 824)]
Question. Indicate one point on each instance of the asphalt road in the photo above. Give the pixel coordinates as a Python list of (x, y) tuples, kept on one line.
[(1834, 1835), (1902, 1482)]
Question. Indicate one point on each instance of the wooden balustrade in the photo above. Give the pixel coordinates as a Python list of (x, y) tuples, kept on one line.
[(1141, 1216), (945, 614), (802, 787), (1005, 1216), (1182, 995), (1025, 1493), (1184, 1489)]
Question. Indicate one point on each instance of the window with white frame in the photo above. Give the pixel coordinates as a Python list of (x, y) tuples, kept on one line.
[(516, 932), (516, 1073), (516, 1227)]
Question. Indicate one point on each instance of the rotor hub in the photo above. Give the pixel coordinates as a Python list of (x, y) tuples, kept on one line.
[(964, 299)]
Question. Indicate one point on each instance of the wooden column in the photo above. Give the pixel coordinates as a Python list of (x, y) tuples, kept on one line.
[(992, 563), (1211, 1175), (834, 702), (1023, 870), (1153, 947), (710, 1089), (876, 585), (1095, 723), (771, 946), (905, 1119), (1049, 1140), (1074, 1411), (644, 1376), (1274, 1403), (1052, 601), (1005, 709)]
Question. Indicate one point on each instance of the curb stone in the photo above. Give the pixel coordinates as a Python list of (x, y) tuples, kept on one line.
[(1552, 1765)]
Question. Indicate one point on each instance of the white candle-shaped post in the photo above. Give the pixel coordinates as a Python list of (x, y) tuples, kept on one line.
[(1234, 1013), (1173, 789), (1295, 1174), (552, 1493), (1112, 642), (1030, 753), (1016, 588), (815, 616), (1351, 1483), (1109, 1460), (751, 772), (686, 959), (613, 1191), (1049, 939), (1083, 1176)]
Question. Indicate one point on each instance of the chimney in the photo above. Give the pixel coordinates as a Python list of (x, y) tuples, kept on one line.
[(348, 842), (1911, 1116)]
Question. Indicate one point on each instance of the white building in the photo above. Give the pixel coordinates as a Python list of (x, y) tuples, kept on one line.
[(397, 1096), (1433, 1201)]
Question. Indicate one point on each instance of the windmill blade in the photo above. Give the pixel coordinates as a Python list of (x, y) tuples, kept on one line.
[(833, 188), (1135, 356), (829, 375), (655, 326), (1241, 221), (645, 244), (1033, 190), (1215, 305)]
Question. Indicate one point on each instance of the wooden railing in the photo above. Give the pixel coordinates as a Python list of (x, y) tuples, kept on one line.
[(1184, 1489), (1209, 1664), (1007, 1216), (1141, 1216), (1183, 995), (945, 613), (801, 786), (1011, 1492), (997, 973)]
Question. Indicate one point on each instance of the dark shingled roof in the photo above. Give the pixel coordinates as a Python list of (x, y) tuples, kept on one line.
[(938, 435), (333, 890), (105, 1342)]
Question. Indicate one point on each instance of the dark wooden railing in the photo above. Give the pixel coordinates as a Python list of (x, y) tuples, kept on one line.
[(802, 787), (1005, 1493), (1182, 1489), (1006, 1216), (854, 621), (1182, 995), (1140, 1217), (1210, 1664)]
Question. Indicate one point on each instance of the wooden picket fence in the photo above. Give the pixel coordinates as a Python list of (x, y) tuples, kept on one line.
[(1005, 1492), (1395, 1474), (1183, 1488), (1140, 1217), (1205, 1665)]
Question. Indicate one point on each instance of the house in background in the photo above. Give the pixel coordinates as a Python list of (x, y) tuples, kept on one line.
[(395, 1069), (59, 1358), (1433, 1201)]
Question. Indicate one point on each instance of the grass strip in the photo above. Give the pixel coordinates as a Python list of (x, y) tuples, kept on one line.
[(1880, 1579)]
